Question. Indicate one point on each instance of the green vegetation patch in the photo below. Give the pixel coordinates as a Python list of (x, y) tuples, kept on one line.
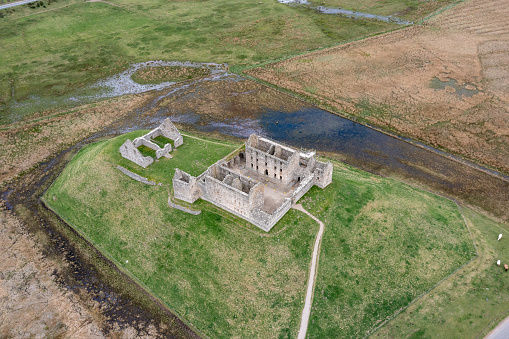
[(472, 301), (59, 50), (155, 75), (385, 243), (161, 141), (225, 277)]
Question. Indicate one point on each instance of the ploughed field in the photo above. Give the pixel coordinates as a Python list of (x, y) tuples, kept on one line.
[(385, 243), (445, 82)]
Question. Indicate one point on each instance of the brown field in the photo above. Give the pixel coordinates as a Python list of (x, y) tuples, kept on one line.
[(26, 144), (445, 83)]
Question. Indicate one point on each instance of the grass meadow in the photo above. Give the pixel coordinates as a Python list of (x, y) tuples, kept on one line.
[(55, 50), (472, 301), (385, 243)]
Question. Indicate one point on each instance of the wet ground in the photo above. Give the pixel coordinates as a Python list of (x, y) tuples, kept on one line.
[(232, 107)]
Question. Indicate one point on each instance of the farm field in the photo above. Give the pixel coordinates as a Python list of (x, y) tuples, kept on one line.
[(385, 244), (444, 83)]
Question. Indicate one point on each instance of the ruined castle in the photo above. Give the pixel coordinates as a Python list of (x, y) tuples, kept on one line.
[(258, 182)]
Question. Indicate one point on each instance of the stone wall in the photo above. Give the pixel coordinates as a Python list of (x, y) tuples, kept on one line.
[(225, 186), (130, 152), (185, 186), (167, 129), (135, 176), (182, 208), (323, 174), (266, 221), (303, 188)]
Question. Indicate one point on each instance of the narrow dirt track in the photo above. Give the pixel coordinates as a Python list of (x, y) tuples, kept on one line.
[(306, 312)]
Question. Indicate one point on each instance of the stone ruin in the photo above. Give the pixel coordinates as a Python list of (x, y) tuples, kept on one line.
[(130, 151), (259, 182)]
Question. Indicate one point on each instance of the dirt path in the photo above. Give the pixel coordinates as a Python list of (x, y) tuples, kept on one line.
[(312, 275)]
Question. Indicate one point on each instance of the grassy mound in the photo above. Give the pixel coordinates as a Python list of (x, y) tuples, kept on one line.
[(384, 244)]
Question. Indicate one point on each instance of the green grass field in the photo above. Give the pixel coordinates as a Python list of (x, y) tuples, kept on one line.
[(385, 243), (61, 48), (472, 301)]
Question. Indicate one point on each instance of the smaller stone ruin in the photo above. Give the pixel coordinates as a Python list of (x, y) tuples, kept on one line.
[(130, 151)]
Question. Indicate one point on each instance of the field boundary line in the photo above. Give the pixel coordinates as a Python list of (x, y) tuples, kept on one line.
[(438, 283)]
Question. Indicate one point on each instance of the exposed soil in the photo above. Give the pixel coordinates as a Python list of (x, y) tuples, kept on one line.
[(232, 98), (32, 303), (387, 80)]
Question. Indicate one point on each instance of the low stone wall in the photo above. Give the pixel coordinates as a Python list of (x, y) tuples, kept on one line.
[(135, 176), (182, 208)]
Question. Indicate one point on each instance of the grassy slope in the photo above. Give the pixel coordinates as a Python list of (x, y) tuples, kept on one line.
[(385, 243), (83, 42), (225, 279), (469, 303)]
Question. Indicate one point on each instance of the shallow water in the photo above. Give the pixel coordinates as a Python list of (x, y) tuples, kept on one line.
[(348, 13), (459, 90), (113, 86)]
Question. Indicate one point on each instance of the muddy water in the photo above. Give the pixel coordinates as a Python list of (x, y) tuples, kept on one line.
[(348, 13), (235, 107), (353, 143)]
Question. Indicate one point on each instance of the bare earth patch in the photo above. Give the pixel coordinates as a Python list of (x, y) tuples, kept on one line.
[(22, 146), (31, 302), (445, 83)]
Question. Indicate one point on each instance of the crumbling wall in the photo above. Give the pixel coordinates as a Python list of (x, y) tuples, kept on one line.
[(130, 152), (266, 221), (185, 186), (135, 176), (323, 173), (168, 130)]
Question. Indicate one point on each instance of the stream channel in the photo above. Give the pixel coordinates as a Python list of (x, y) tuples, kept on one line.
[(244, 107)]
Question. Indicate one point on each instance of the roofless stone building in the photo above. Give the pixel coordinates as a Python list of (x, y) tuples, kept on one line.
[(258, 182), (130, 151)]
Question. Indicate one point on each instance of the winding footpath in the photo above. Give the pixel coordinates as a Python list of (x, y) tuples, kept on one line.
[(312, 275)]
